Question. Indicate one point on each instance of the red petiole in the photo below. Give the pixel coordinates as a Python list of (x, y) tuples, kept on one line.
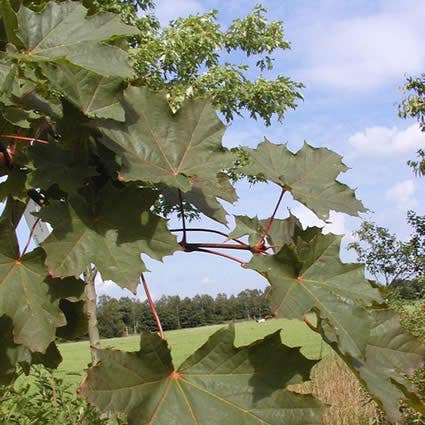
[(152, 307)]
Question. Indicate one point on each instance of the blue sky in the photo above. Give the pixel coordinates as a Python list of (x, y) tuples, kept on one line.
[(353, 58)]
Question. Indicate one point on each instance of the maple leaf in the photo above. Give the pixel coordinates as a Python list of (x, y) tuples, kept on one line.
[(307, 275), (62, 30), (310, 175), (391, 356), (161, 147), (219, 383), (53, 164), (110, 231), (12, 354)]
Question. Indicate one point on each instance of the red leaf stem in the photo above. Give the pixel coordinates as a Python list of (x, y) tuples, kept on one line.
[(220, 254), (23, 138), (24, 251), (270, 222), (152, 306)]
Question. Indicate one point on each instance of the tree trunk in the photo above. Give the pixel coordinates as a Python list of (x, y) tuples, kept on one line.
[(90, 290)]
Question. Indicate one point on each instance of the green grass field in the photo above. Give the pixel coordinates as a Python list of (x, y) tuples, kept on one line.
[(183, 342)]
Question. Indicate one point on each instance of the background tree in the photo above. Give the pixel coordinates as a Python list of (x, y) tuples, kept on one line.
[(414, 106), (386, 257)]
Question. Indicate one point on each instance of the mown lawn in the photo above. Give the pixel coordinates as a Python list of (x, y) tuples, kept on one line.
[(183, 342)]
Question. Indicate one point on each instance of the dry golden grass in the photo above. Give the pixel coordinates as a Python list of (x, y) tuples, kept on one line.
[(336, 386)]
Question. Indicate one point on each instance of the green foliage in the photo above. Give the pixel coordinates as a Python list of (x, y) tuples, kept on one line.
[(389, 258), (414, 106), (68, 102), (46, 401)]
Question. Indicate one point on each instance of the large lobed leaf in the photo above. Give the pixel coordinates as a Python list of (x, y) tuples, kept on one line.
[(391, 356), (28, 297), (159, 146), (62, 30), (218, 384), (110, 231), (310, 175), (307, 275)]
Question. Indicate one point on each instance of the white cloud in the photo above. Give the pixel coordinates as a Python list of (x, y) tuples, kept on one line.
[(366, 51), (385, 141), (167, 10), (403, 194)]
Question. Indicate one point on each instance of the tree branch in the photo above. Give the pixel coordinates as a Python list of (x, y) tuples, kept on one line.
[(24, 139), (152, 306), (193, 246), (200, 229), (184, 238), (270, 222), (24, 251), (220, 254)]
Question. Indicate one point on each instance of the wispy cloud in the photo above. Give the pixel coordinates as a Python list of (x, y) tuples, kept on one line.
[(403, 195), (367, 51), (384, 141)]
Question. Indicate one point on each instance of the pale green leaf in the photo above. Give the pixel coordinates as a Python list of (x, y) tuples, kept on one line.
[(310, 175), (62, 30)]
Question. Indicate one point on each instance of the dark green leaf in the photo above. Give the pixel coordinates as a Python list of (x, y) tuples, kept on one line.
[(308, 275), (391, 355), (219, 383), (110, 232), (25, 295), (159, 146), (95, 95), (54, 164)]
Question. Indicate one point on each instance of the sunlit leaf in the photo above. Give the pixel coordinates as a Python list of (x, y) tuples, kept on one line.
[(62, 30), (310, 175)]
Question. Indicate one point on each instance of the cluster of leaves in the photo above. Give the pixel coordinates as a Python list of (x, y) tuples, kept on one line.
[(414, 106), (104, 151), (47, 400), (388, 258)]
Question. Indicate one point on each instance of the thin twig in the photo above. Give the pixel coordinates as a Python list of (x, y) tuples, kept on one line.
[(184, 238), (196, 245), (270, 222), (24, 139), (200, 229), (29, 239), (220, 254), (152, 307)]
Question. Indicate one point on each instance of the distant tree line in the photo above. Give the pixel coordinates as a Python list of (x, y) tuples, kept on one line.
[(118, 317)]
